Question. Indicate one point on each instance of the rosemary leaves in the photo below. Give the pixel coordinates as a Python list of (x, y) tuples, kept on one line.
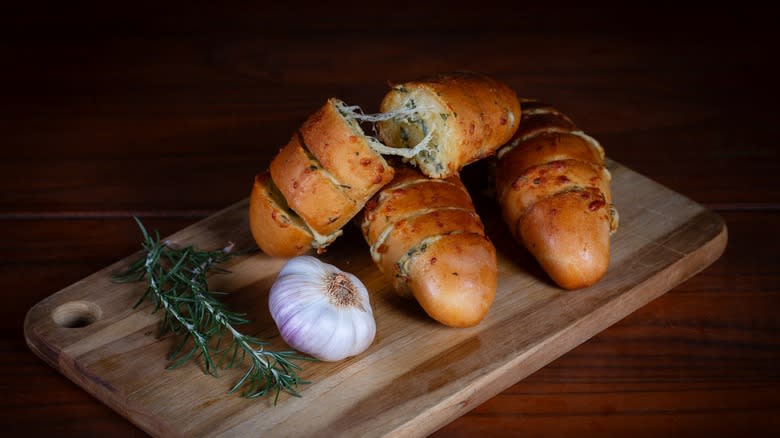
[(177, 284)]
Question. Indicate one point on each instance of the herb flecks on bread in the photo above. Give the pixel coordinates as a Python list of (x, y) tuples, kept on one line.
[(459, 117), (318, 181), (555, 197), (427, 239), (330, 167)]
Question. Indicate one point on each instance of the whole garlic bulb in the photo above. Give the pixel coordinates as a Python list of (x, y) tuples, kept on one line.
[(321, 310)]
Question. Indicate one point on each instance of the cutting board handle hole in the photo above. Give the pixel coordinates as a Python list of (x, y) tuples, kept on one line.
[(75, 314)]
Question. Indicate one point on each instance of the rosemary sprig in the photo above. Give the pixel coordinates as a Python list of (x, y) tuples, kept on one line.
[(177, 283)]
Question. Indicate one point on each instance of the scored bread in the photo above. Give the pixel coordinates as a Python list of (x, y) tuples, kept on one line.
[(310, 189), (554, 193), (335, 138), (450, 120), (330, 168), (277, 230), (426, 237), (315, 184)]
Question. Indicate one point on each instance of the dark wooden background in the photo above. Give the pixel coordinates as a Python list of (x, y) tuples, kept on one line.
[(167, 111)]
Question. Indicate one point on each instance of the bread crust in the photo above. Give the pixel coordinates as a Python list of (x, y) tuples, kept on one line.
[(545, 180), (325, 174), (342, 149), (544, 148), (472, 115), (569, 235), (407, 233), (555, 196), (455, 279), (274, 229), (309, 191), (539, 117), (428, 240), (399, 201)]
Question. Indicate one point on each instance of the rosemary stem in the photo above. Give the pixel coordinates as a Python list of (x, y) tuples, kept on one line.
[(218, 315), (176, 283)]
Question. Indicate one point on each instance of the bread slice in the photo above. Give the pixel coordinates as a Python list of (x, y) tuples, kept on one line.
[(547, 180), (457, 118), (311, 190), (341, 147), (408, 194), (316, 184), (544, 149), (404, 236), (278, 230)]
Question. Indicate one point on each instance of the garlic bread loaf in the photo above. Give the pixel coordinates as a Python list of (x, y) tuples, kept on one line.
[(315, 184), (449, 120), (428, 240), (555, 197)]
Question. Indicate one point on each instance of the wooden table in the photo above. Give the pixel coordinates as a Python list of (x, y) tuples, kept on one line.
[(167, 112)]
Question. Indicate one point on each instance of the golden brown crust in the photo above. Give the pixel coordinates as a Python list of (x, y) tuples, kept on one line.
[(455, 279), (274, 229), (475, 115), (428, 240), (544, 148), (407, 233), (569, 235), (344, 152), (538, 116), (400, 201), (545, 180), (555, 196), (484, 109), (324, 175), (309, 191)]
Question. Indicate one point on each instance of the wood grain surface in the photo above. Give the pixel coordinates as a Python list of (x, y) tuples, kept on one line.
[(417, 376), (168, 111)]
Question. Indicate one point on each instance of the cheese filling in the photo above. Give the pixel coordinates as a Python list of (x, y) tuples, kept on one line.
[(321, 241), (408, 114)]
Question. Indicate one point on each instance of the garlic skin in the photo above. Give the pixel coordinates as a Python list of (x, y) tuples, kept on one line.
[(321, 310)]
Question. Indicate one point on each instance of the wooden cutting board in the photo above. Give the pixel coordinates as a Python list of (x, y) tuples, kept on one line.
[(417, 376)]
